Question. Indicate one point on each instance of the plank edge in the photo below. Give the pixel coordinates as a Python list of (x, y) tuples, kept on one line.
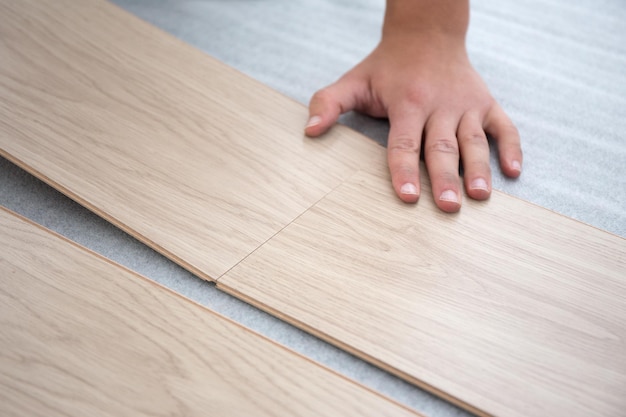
[(351, 350), (205, 309), (104, 215)]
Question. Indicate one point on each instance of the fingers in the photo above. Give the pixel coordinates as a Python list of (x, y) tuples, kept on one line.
[(475, 156), (329, 103), (441, 152), (446, 138), (403, 152), (498, 125)]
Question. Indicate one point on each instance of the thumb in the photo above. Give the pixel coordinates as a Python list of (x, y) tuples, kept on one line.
[(329, 103)]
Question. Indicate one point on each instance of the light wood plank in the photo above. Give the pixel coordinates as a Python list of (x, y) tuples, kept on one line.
[(493, 308), (506, 308), (80, 336), (193, 158)]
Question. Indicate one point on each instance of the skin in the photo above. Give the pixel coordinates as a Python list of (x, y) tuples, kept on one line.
[(420, 77)]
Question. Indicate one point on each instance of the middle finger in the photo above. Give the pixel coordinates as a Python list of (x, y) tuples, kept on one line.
[(441, 153)]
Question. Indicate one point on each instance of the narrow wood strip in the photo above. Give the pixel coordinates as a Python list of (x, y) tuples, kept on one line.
[(506, 309), (193, 158), (81, 336)]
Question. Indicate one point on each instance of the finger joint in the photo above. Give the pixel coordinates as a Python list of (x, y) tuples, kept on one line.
[(403, 144), (445, 146)]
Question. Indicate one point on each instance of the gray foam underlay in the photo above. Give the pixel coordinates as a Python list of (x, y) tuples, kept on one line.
[(559, 70)]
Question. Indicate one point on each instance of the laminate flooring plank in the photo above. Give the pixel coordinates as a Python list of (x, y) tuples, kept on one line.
[(190, 156), (81, 336), (506, 309)]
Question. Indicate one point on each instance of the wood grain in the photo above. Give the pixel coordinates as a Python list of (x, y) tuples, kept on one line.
[(195, 159), (80, 336), (506, 309)]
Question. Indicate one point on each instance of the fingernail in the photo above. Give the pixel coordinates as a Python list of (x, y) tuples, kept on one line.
[(313, 121), (450, 196), (479, 184), (409, 189), (516, 166)]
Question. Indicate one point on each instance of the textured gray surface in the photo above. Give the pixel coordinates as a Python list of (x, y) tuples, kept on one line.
[(558, 68)]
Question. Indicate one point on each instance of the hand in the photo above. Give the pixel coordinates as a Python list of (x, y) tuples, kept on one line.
[(431, 94)]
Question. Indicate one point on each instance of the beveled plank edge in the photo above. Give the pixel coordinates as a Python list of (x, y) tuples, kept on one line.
[(274, 312), (201, 60), (427, 192), (104, 215), (353, 351), (207, 310), (613, 241), (579, 223)]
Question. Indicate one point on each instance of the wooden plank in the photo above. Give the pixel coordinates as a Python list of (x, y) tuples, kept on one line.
[(81, 336), (502, 308), (195, 159), (506, 309)]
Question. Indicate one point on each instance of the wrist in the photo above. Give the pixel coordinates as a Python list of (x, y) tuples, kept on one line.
[(441, 21)]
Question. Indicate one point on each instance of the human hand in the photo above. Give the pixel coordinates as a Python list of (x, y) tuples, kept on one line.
[(433, 98)]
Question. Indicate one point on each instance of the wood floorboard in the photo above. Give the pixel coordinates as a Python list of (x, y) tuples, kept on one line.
[(506, 309), (81, 336), (195, 159)]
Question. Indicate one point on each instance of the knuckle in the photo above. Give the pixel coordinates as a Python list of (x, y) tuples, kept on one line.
[(321, 95), (474, 138), (509, 130), (403, 144), (477, 167), (403, 171), (444, 145), (446, 179), (414, 97)]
